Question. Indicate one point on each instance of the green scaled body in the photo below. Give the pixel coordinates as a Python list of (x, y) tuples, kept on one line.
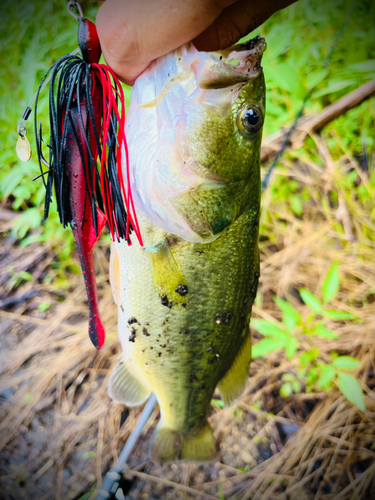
[(184, 306)]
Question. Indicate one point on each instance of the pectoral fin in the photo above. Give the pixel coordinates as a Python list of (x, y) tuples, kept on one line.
[(234, 382), (125, 386), (166, 273)]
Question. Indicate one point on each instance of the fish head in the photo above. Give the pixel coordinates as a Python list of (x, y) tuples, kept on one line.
[(194, 130)]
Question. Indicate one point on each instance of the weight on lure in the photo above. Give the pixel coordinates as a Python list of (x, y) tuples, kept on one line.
[(87, 118)]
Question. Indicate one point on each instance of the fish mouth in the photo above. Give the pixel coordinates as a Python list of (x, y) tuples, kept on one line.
[(236, 64)]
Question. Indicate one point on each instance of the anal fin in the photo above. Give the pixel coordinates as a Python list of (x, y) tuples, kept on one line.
[(234, 382), (125, 386)]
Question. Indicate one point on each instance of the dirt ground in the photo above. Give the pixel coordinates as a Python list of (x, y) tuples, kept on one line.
[(59, 431)]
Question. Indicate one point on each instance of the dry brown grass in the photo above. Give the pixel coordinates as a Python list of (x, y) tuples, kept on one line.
[(59, 432)]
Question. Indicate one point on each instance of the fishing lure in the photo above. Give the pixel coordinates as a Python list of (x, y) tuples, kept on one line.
[(87, 142)]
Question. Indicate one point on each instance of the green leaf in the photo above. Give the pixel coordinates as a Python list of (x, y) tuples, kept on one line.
[(330, 284), (296, 205), (346, 363), (291, 347), (334, 87), (310, 300), (322, 331), (351, 389), (288, 309), (267, 328), (335, 314), (316, 77), (289, 323), (286, 390), (43, 306), (312, 376), (365, 66), (307, 357), (266, 346), (296, 386), (327, 374), (217, 403)]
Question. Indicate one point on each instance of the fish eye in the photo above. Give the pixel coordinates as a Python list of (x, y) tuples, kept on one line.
[(249, 120)]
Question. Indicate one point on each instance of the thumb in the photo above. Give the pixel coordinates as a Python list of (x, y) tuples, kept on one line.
[(236, 21)]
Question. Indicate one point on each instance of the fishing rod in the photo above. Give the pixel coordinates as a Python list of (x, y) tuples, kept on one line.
[(113, 477)]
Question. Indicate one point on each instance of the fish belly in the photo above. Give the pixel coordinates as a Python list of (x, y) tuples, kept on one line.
[(184, 310)]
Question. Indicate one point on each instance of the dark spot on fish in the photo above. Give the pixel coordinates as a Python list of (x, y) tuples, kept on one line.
[(122, 308), (213, 358), (132, 320), (222, 318), (147, 323), (163, 323), (165, 301), (193, 378), (159, 354), (221, 58), (182, 290), (151, 347), (132, 337), (163, 345), (145, 332), (183, 305)]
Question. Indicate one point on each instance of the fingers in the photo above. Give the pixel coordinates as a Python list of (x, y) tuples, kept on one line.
[(134, 32), (236, 21)]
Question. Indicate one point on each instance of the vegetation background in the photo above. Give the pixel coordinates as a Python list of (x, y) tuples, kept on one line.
[(318, 214)]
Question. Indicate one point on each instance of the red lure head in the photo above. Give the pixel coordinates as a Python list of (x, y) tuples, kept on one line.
[(88, 41)]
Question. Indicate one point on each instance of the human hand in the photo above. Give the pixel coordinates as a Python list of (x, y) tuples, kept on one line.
[(133, 33)]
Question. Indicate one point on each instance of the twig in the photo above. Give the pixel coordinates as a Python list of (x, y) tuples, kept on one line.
[(16, 299), (307, 125), (176, 486)]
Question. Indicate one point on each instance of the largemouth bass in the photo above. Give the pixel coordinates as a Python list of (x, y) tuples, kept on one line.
[(194, 130)]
